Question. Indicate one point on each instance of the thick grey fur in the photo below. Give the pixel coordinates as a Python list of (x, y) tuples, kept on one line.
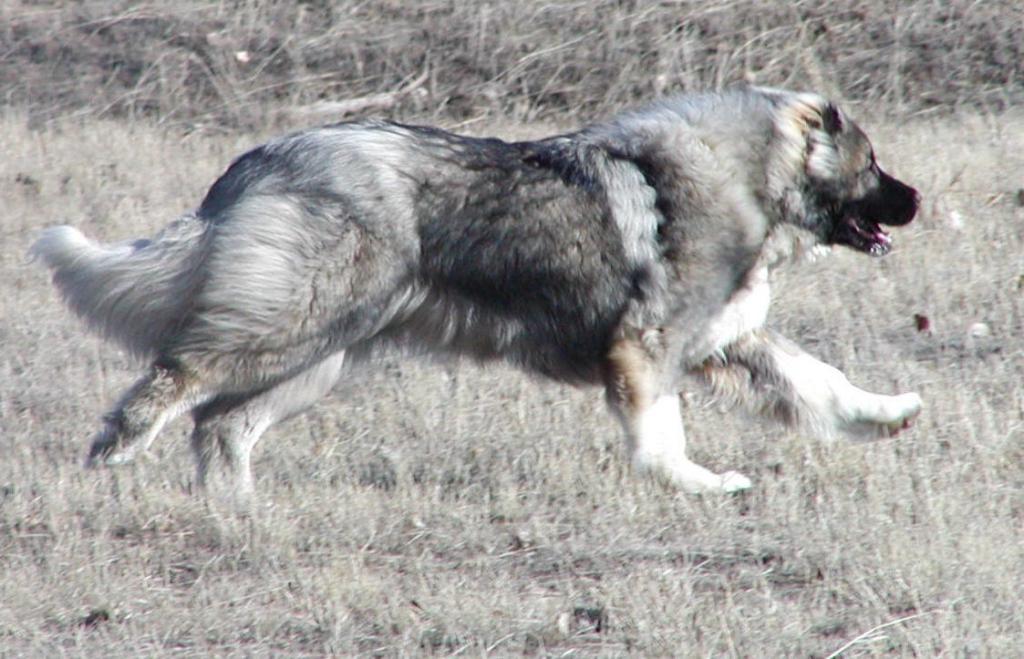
[(321, 248)]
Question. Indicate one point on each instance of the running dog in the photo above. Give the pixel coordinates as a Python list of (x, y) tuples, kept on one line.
[(628, 255)]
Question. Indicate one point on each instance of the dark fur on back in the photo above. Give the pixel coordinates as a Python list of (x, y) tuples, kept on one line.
[(486, 233)]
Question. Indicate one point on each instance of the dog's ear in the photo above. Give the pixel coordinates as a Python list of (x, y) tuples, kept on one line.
[(831, 119)]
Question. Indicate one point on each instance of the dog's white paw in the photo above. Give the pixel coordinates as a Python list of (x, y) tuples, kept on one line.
[(907, 407), (880, 417), (897, 413), (104, 454), (729, 482), (117, 459), (734, 481), (691, 477)]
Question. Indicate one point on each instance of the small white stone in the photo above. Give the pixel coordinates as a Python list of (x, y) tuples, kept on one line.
[(979, 330)]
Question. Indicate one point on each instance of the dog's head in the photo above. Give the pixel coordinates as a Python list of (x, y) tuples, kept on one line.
[(844, 196)]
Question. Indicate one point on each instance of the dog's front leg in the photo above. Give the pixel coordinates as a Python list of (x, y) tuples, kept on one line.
[(794, 387), (653, 425)]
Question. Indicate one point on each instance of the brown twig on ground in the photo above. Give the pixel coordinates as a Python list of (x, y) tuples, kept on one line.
[(370, 102)]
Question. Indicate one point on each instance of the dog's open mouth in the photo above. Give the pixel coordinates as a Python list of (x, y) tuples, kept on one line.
[(862, 234), (858, 222)]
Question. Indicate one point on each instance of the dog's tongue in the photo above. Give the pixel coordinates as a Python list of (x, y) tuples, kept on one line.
[(880, 242), (882, 237), (869, 230)]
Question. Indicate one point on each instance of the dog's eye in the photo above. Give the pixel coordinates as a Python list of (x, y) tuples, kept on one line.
[(872, 165)]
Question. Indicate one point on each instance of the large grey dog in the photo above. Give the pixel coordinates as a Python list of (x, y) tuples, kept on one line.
[(628, 254)]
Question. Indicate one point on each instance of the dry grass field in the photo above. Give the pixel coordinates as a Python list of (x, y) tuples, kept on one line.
[(451, 509)]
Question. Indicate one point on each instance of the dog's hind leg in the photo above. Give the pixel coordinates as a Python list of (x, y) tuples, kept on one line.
[(791, 386), (156, 398), (233, 424), (653, 424)]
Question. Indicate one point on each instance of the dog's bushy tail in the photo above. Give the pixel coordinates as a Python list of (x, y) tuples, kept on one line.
[(134, 293)]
